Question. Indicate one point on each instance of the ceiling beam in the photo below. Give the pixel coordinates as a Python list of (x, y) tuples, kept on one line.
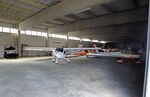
[(132, 16), (47, 24), (61, 20), (136, 3), (40, 27), (109, 9), (19, 9), (33, 3), (54, 24), (59, 10), (89, 13), (73, 17)]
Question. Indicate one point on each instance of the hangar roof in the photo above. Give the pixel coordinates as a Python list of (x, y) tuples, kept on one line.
[(18, 11), (92, 16)]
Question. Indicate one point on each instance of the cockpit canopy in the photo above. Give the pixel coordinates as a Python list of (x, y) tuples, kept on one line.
[(59, 49)]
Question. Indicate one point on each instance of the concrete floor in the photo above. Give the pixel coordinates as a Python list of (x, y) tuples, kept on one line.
[(83, 77)]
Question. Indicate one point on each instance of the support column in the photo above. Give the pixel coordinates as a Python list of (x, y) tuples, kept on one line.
[(50, 39), (80, 38), (19, 44), (16, 38), (67, 40), (47, 39), (146, 92)]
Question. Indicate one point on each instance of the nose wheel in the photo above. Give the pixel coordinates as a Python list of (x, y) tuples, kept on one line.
[(68, 61), (56, 62)]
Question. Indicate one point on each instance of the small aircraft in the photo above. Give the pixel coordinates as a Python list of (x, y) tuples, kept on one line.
[(114, 54), (58, 53), (121, 56)]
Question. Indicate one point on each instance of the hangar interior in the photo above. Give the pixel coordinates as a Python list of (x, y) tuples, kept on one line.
[(69, 23)]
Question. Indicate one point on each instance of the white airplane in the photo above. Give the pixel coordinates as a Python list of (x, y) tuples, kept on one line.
[(58, 53)]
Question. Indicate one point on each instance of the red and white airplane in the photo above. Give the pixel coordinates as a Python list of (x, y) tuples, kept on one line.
[(122, 57)]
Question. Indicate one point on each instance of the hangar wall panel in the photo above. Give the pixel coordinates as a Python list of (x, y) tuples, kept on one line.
[(73, 43), (87, 43), (35, 41), (57, 42)]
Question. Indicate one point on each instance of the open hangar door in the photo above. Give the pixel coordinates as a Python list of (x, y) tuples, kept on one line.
[(124, 27)]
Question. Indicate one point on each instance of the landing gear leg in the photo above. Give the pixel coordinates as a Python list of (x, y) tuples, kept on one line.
[(56, 61), (53, 59), (67, 60)]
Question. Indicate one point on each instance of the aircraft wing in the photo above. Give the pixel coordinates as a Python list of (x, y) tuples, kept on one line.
[(82, 49), (46, 49), (114, 54), (50, 49)]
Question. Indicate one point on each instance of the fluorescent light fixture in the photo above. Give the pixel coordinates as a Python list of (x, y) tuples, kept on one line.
[(95, 41), (86, 39), (102, 41), (82, 10)]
